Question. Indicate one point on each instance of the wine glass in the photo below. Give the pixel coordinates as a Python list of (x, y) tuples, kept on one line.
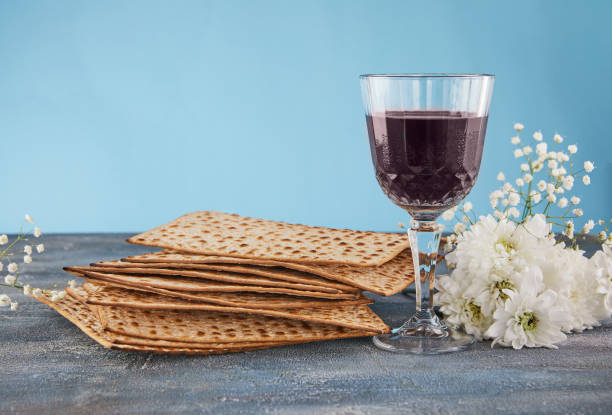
[(426, 136)]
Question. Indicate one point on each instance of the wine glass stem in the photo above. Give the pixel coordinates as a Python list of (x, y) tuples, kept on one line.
[(424, 243)]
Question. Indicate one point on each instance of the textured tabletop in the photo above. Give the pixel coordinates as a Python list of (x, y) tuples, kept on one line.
[(48, 366)]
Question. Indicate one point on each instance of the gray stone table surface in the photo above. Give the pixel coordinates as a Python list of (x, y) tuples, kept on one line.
[(47, 365)]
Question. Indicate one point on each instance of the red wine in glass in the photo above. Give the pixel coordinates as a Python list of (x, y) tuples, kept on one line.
[(426, 135)]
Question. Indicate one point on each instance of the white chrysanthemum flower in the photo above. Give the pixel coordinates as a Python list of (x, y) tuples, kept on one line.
[(588, 166), (37, 232), (557, 138), (552, 164), (27, 249), (541, 149), (27, 259), (541, 185), (578, 212), (562, 202), (27, 289), (10, 279), (37, 292), (515, 140), (40, 248), (586, 179), (529, 317), (3, 239), (29, 218), (12, 267), (14, 306), (519, 182), (524, 167), (527, 150), (538, 136), (5, 300), (448, 214), (459, 228), (601, 268), (467, 207), (518, 153), (518, 126), (501, 177), (588, 227), (575, 200), (572, 148)]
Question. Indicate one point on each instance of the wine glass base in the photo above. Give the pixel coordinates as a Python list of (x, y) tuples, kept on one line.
[(424, 336)]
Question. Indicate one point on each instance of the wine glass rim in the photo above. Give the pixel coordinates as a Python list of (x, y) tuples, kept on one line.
[(428, 75)]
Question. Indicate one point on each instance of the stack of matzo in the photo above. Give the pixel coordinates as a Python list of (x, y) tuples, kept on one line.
[(226, 283)]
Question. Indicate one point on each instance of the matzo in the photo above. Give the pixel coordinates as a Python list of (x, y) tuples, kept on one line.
[(216, 233)]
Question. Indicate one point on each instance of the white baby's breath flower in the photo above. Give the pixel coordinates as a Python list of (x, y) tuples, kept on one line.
[(518, 153), (501, 177), (465, 219), (27, 259), (459, 228), (14, 306), (569, 229), (575, 200), (3, 239), (498, 214), (40, 248), (588, 227), (37, 232), (555, 172), (562, 157), (27, 289), (572, 148), (538, 136), (559, 190), (515, 140), (518, 126), (12, 267), (562, 202), (602, 236), (37, 292), (27, 249), (448, 214), (541, 185), (514, 199), (29, 218), (467, 207), (527, 150), (10, 279), (552, 164), (507, 187), (541, 149), (535, 196), (551, 198), (599, 222), (528, 178), (520, 182), (568, 182), (588, 166), (586, 179), (505, 202), (550, 188), (494, 203), (524, 167), (578, 212), (5, 300), (557, 138), (514, 212)]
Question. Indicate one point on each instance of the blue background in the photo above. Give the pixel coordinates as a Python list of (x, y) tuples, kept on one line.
[(118, 116)]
